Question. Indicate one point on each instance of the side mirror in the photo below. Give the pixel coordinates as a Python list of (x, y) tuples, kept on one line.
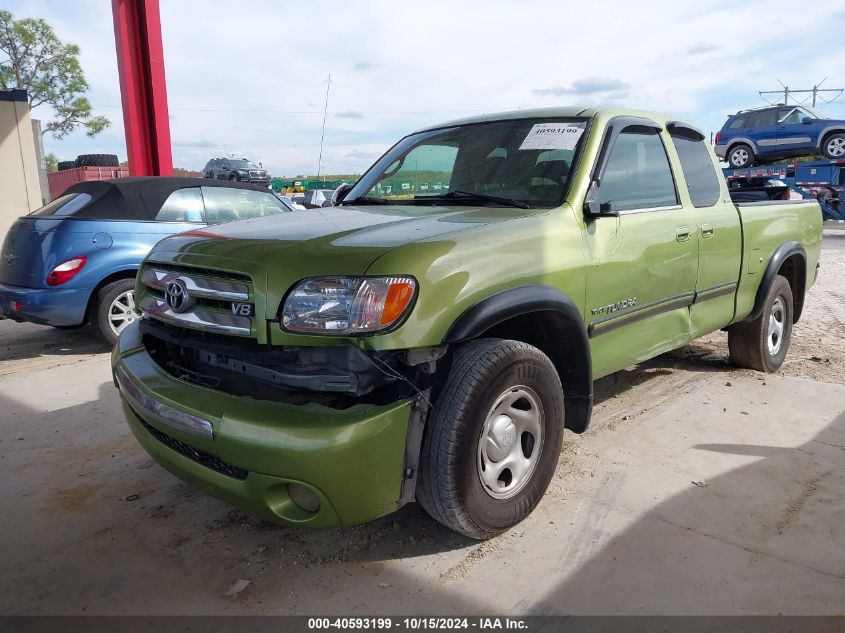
[(340, 193), (593, 208), (806, 120)]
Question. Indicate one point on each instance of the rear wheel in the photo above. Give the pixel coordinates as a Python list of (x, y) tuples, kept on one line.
[(741, 156), (762, 344), (834, 146), (115, 308), (493, 438)]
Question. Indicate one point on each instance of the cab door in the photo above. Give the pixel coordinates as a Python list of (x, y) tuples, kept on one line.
[(797, 130), (644, 247), (719, 231)]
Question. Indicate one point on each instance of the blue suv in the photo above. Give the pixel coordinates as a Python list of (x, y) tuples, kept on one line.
[(771, 133)]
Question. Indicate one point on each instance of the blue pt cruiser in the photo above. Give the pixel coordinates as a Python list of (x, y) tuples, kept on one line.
[(74, 261)]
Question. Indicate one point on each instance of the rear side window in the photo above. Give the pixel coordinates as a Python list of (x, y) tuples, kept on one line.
[(224, 204), (738, 121), (183, 205), (637, 174), (65, 205), (702, 182)]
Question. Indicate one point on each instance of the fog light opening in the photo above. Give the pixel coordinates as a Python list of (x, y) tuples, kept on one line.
[(304, 498)]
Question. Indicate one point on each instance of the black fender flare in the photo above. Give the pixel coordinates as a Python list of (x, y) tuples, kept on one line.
[(570, 346), (781, 254)]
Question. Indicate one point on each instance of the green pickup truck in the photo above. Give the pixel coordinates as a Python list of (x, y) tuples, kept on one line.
[(431, 335)]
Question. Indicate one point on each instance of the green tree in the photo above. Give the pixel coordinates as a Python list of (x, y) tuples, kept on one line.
[(52, 162), (48, 69)]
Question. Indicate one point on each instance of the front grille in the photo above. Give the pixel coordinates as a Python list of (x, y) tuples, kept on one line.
[(208, 272), (214, 295), (200, 457)]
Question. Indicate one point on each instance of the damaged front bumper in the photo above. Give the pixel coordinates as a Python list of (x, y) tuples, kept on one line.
[(309, 463)]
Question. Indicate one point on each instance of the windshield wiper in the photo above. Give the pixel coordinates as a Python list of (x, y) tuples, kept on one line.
[(468, 195), (366, 200)]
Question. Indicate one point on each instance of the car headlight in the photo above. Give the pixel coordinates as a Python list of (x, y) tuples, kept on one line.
[(243, 172), (347, 305)]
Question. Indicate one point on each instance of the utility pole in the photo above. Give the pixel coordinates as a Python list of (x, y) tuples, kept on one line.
[(815, 92), (323, 133)]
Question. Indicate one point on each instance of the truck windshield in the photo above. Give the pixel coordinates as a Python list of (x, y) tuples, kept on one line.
[(523, 163)]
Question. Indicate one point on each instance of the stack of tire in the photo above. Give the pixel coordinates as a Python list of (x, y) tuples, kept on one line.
[(90, 160)]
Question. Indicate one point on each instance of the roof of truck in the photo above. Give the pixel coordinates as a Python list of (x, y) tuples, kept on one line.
[(548, 113)]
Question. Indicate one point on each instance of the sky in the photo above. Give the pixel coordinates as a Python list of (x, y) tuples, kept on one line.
[(250, 78)]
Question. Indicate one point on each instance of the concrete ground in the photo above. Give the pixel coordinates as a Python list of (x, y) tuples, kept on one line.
[(699, 489)]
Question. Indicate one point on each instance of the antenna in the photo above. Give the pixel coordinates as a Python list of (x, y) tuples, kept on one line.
[(816, 92), (323, 133)]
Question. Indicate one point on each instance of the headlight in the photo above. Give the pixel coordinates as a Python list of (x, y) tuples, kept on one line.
[(243, 172), (347, 305)]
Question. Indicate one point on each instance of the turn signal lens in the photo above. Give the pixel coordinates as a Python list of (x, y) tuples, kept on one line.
[(399, 295), (66, 271)]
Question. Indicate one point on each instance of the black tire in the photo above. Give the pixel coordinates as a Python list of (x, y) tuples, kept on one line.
[(103, 307), (740, 156), (233, 178), (97, 160), (833, 146), (62, 165), (449, 486), (749, 343)]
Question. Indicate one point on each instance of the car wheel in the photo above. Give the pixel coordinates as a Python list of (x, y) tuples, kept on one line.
[(762, 344), (115, 308), (233, 178), (834, 146), (492, 439), (741, 156)]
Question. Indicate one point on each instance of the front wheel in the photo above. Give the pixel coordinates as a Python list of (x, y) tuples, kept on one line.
[(834, 146), (115, 308), (493, 438), (762, 344)]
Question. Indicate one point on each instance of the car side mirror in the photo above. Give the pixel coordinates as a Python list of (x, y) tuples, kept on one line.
[(340, 193), (806, 120), (593, 208)]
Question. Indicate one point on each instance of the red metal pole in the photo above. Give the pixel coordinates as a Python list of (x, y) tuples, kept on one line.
[(143, 88)]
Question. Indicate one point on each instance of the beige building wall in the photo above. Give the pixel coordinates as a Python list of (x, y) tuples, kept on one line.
[(20, 190)]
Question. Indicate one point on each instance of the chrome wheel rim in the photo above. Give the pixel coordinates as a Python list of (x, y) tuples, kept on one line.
[(511, 442), (739, 157), (122, 311), (777, 318), (836, 147)]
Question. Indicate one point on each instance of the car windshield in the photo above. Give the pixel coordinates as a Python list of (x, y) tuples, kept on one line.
[(815, 112), (241, 163), (524, 163)]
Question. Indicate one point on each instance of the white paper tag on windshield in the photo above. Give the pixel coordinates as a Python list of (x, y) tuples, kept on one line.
[(553, 136)]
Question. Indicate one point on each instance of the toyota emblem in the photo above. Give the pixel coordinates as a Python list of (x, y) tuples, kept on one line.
[(176, 296)]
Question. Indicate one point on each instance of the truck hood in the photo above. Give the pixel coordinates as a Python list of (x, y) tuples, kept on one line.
[(278, 251)]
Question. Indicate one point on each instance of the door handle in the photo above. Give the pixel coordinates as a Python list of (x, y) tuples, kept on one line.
[(707, 230), (682, 234)]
